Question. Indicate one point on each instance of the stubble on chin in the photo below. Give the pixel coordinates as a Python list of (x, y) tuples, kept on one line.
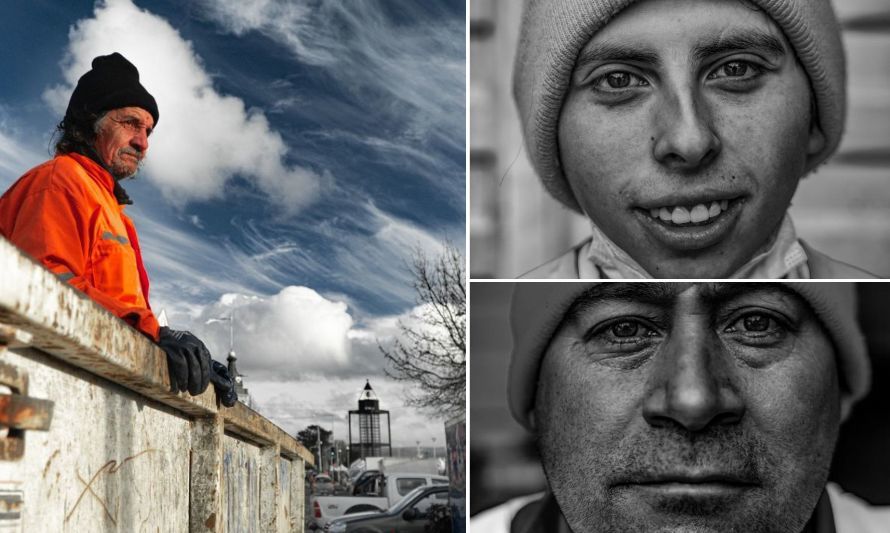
[(590, 500), (123, 168)]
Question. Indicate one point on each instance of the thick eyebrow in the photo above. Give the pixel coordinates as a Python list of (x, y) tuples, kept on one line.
[(749, 39), (664, 294), (132, 116), (606, 51), (724, 292), (659, 294)]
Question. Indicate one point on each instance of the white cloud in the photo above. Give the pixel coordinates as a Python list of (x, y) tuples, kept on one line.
[(294, 332), (204, 138), (306, 359)]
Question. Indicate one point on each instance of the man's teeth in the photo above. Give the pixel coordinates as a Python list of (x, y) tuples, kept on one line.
[(682, 215)]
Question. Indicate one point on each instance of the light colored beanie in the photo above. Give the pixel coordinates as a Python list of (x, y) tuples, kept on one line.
[(553, 33), (538, 308)]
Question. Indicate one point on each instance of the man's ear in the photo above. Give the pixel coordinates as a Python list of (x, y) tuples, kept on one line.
[(816, 139)]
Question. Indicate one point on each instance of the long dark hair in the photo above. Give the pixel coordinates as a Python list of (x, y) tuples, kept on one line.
[(77, 133)]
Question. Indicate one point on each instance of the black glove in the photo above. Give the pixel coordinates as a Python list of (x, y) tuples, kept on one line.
[(188, 360), (223, 384)]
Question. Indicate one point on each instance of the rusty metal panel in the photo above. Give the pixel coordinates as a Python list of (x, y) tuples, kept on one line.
[(240, 486), (22, 412), (111, 460)]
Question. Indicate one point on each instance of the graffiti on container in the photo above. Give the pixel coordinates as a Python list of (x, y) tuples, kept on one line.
[(111, 467)]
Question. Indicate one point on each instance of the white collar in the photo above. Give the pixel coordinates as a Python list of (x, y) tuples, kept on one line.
[(783, 258)]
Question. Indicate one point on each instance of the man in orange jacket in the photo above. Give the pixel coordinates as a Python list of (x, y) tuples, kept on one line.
[(68, 213)]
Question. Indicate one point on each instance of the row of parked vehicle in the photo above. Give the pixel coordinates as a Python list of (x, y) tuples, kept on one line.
[(386, 498)]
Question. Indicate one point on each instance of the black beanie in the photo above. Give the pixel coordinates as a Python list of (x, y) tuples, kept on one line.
[(112, 83)]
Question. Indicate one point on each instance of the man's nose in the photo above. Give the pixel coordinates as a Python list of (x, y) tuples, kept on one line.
[(139, 140), (692, 384), (685, 137)]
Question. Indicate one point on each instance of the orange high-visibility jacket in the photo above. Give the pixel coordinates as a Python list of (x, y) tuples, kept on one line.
[(64, 213)]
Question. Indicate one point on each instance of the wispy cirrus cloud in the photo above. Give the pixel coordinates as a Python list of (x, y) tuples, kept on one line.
[(372, 251), (16, 156), (405, 81)]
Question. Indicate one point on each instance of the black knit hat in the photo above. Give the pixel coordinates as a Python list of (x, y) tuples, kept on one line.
[(112, 83)]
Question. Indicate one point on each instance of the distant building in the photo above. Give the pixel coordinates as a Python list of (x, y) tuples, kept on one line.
[(243, 395), (369, 429)]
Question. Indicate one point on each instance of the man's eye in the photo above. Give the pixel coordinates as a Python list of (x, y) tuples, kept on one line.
[(623, 331), (618, 80), (758, 323), (735, 70), (758, 326)]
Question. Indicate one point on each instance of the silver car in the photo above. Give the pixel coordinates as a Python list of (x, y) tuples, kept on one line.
[(324, 485)]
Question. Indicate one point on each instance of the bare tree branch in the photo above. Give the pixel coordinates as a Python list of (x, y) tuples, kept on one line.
[(432, 352)]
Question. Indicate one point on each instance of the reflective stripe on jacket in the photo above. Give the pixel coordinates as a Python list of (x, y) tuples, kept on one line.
[(64, 214)]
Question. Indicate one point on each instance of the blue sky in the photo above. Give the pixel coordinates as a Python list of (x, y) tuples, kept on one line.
[(304, 149)]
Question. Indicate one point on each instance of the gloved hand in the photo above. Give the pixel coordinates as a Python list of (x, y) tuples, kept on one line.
[(223, 384), (187, 359)]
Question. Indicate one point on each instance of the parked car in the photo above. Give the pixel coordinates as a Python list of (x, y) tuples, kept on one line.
[(324, 485), (411, 514), (376, 493)]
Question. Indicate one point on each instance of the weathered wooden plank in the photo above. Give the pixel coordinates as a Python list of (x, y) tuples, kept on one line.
[(206, 480), (248, 424), (121, 453), (111, 460), (270, 493), (63, 322), (240, 485), (67, 324)]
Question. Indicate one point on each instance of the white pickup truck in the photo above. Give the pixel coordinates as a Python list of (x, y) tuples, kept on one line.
[(380, 492)]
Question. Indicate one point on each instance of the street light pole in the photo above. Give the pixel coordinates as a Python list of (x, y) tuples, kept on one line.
[(231, 320), (334, 442), (318, 445)]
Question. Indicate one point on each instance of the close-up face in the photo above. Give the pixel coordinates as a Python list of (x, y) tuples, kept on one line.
[(685, 131), (688, 407), (122, 139)]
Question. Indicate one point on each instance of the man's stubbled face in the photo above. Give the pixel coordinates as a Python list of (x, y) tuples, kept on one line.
[(122, 140), (684, 133), (688, 407)]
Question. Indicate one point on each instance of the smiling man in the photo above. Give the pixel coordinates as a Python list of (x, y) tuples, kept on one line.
[(681, 129), (68, 213), (682, 407)]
